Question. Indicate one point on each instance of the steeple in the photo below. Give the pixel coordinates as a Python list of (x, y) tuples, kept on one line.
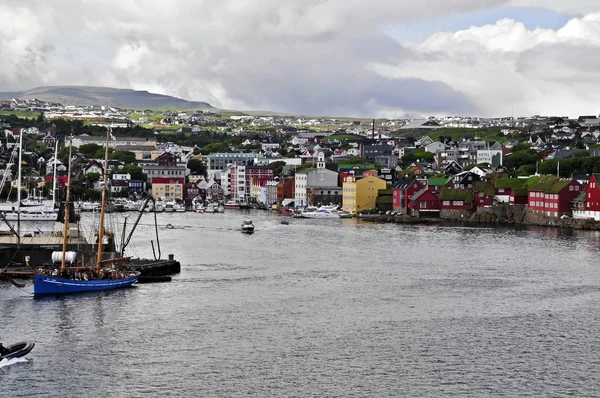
[(321, 160)]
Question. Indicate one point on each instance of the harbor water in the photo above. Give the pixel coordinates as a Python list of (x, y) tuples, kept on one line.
[(323, 308)]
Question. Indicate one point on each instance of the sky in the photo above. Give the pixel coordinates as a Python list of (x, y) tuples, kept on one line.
[(355, 58)]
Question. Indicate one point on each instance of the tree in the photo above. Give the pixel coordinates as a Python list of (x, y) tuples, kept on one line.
[(278, 167), (88, 150), (215, 147), (89, 179), (196, 166), (123, 156), (518, 159), (134, 171)]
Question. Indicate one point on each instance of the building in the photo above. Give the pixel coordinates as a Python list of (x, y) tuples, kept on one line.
[(379, 154), (220, 161), (424, 204), (552, 195), (167, 177), (310, 181), (402, 191), (360, 193), (592, 199), (113, 141), (285, 189)]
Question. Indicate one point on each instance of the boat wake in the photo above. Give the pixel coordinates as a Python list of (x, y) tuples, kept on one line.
[(13, 361)]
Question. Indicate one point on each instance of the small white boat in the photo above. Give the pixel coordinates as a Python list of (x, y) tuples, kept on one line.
[(200, 208), (247, 226), (169, 226), (314, 212)]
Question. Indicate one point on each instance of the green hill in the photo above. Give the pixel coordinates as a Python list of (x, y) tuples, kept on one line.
[(122, 98)]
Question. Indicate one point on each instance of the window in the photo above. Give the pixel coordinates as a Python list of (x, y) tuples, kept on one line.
[(570, 187)]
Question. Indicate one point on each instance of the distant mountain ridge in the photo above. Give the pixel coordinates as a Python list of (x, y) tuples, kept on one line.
[(116, 97)]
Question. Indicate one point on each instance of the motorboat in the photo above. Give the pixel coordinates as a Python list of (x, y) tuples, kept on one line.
[(317, 212), (17, 350), (247, 226), (345, 214), (285, 222), (169, 226), (232, 204), (200, 208)]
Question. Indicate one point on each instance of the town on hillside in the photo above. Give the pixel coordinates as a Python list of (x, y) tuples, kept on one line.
[(446, 167)]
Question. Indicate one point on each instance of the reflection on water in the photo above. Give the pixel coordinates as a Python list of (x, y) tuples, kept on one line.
[(325, 308)]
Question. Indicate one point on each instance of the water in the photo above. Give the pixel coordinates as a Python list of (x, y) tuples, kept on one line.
[(327, 308)]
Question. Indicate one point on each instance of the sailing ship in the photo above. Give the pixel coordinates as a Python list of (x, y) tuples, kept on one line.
[(35, 211), (103, 275)]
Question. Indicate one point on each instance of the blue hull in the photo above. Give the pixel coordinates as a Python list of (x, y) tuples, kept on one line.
[(44, 284)]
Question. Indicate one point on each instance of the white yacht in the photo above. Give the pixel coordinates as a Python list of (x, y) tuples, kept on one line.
[(317, 212)]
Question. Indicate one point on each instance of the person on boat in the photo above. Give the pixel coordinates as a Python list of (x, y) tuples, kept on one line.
[(3, 351)]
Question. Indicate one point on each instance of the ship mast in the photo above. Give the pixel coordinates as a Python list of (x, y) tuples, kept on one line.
[(66, 220), (101, 232), (54, 177), (19, 184)]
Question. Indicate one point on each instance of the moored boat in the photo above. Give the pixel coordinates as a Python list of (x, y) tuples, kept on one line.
[(103, 275), (232, 204)]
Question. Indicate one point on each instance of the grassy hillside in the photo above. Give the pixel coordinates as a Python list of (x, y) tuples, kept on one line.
[(123, 98)]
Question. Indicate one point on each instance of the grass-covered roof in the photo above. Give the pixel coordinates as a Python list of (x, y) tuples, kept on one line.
[(510, 182), (485, 187), (439, 181), (456, 194), (550, 184)]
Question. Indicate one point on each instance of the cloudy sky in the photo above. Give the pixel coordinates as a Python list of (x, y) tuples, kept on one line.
[(370, 58)]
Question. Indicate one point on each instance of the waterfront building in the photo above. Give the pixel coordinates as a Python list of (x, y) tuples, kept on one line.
[(167, 177), (483, 193), (310, 181), (285, 189), (360, 193), (552, 195), (272, 191), (505, 189), (456, 199), (424, 204), (592, 200), (210, 190), (402, 191)]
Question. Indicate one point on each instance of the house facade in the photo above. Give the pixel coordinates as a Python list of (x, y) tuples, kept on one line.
[(424, 204), (552, 196), (402, 191), (360, 193)]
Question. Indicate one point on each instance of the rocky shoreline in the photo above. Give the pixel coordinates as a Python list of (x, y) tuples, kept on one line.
[(499, 215)]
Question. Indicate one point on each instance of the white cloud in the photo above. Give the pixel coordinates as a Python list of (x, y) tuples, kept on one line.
[(505, 67), (303, 56)]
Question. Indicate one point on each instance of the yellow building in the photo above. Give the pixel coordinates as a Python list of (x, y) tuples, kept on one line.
[(167, 189), (360, 193)]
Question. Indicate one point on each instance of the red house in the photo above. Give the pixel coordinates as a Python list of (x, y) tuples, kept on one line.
[(483, 193), (552, 195), (456, 199), (402, 191), (286, 189), (190, 191), (425, 204)]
